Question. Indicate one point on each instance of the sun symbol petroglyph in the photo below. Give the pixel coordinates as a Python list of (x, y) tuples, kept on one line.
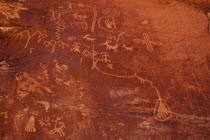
[(107, 22)]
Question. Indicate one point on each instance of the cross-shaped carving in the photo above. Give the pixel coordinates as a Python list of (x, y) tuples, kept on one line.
[(147, 42)]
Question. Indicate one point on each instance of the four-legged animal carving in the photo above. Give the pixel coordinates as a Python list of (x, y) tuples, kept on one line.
[(110, 47), (88, 38)]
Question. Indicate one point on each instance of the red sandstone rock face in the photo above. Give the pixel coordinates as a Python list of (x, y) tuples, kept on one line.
[(124, 70)]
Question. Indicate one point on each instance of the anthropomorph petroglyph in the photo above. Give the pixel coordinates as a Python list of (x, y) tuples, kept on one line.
[(104, 56), (29, 36), (76, 47), (55, 44)]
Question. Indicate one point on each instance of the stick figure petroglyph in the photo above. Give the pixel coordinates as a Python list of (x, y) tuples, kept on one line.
[(29, 36), (55, 15), (76, 47), (93, 55)]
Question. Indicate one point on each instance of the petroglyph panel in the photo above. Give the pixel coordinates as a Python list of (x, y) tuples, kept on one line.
[(104, 70)]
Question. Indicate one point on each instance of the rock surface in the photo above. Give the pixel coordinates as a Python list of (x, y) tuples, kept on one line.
[(104, 69)]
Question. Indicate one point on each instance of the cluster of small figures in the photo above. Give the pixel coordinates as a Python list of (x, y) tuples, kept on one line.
[(107, 22)]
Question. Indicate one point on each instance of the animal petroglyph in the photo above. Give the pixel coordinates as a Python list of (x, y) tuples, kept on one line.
[(108, 45), (59, 127), (147, 42), (130, 49), (88, 38)]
